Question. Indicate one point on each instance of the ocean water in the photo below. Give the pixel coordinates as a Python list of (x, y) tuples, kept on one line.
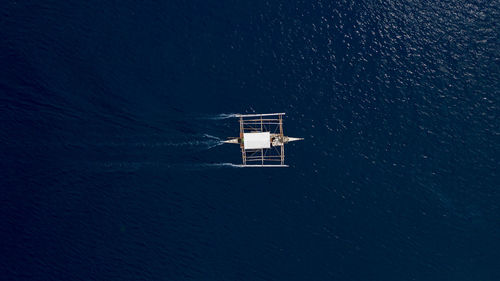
[(112, 114)]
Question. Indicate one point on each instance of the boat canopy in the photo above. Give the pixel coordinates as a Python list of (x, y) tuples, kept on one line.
[(256, 140)]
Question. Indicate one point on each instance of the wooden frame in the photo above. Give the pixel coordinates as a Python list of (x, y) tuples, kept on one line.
[(256, 123)]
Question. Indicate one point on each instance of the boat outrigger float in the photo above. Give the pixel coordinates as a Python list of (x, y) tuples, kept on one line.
[(261, 140)]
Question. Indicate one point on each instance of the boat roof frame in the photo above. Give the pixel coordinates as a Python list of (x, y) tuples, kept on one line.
[(264, 157)]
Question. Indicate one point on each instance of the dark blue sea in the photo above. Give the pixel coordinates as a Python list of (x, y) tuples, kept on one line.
[(112, 115)]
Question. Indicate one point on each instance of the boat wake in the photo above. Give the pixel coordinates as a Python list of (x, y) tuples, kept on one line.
[(203, 166), (132, 166), (204, 141), (220, 116)]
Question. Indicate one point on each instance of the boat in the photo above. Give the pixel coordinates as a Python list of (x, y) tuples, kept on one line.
[(261, 140)]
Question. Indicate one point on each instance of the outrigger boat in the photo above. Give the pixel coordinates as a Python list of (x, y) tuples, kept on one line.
[(261, 140)]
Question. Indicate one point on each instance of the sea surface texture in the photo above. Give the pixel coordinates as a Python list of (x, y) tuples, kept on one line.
[(112, 115)]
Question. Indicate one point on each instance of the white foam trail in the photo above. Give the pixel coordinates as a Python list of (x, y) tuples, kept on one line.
[(207, 141), (211, 143), (221, 116), (126, 166), (223, 165), (211, 137), (135, 166), (215, 145), (202, 166)]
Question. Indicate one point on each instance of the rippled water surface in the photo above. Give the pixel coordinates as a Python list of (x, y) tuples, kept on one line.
[(112, 117)]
